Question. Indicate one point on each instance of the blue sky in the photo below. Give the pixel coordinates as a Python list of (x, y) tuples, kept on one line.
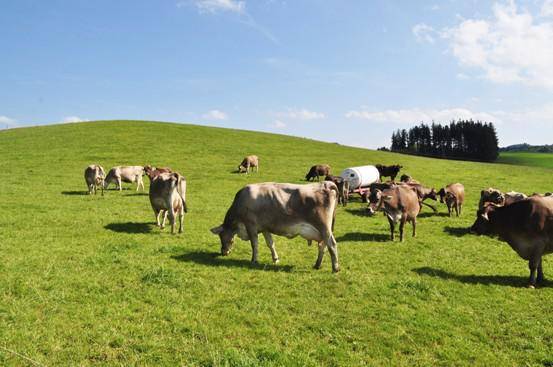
[(336, 70)]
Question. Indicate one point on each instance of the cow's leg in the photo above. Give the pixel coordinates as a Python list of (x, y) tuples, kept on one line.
[(171, 213), (401, 225), (392, 228), (322, 247), (252, 234), (456, 209), (157, 213), (257, 168), (333, 251), (414, 222), (181, 218), (540, 277), (460, 208), (119, 183), (164, 218), (449, 209), (271, 244)]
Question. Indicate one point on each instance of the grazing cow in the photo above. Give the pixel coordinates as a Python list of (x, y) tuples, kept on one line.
[(153, 172), (400, 204), (408, 179), (454, 196), (343, 188), (168, 198), (248, 162), (388, 171), (526, 225), (316, 171), (94, 176), (423, 193), (120, 174), (491, 195), (286, 210)]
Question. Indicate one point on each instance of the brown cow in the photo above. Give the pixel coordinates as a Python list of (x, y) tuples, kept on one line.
[(153, 172), (423, 193), (316, 171), (251, 161), (454, 196), (491, 195), (283, 209), (526, 225), (388, 171), (408, 179), (343, 188), (168, 198), (400, 204), (94, 176)]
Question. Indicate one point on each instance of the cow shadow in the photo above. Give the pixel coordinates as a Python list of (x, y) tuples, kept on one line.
[(72, 193), (503, 280), (129, 227), (428, 214), (364, 237), (359, 212), (457, 231), (137, 194), (216, 260)]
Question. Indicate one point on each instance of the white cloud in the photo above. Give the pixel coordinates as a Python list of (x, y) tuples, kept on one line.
[(511, 46), (215, 115), (547, 8), (535, 115), (416, 115), (424, 33), (7, 122), (277, 124), (302, 114), (215, 6), (72, 119)]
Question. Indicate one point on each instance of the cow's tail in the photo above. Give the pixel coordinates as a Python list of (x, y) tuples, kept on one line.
[(181, 190), (332, 187)]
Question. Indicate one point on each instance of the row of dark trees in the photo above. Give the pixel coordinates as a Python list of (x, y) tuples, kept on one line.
[(463, 139)]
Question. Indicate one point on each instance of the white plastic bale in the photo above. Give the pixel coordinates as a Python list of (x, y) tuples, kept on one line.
[(361, 176)]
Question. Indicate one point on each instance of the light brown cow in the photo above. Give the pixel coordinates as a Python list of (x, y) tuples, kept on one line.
[(286, 210), (120, 174), (153, 172), (454, 197), (400, 204), (526, 225), (251, 161), (168, 198), (94, 177)]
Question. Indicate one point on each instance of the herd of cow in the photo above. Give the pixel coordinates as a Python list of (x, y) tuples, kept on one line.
[(309, 210)]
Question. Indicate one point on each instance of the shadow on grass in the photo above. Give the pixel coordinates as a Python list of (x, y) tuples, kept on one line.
[(129, 227), (137, 194), (428, 214), (76, 192), (359, 212), (215, 259), (364, 237), (504, 280), (457, 231)]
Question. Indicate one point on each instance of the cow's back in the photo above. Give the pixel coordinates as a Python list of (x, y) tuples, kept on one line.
[(458, 190)]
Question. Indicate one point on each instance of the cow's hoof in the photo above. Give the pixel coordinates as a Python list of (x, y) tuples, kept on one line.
[(336, 269), (531, 286), (276, 261), (317, 266)]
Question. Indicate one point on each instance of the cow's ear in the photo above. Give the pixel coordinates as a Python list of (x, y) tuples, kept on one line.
[(217, 230), (387, 197)]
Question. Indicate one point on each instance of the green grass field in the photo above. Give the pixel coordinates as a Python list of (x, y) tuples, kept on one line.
[(527, 159), (91, 281)]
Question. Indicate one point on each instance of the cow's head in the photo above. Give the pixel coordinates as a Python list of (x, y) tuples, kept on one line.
[(492, 196), (227, 239), (482, 224), (432, 194), (375, 199)]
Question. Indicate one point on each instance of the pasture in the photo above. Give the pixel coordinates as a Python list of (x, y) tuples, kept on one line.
[(91, 281), (527, 159)]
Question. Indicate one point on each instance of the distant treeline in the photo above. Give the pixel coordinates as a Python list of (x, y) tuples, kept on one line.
[(463, 139), (528, 148)]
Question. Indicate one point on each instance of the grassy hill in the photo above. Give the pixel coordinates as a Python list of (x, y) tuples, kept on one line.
[(90, 280), (527, 159)]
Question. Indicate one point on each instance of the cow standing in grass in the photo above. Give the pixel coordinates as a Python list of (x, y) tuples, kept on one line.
[(454, 197), (526, 225), (286, 210), (388, 171), (316, 171), (249, 162), (343, 188), (399, 203), (130, 174), (94, 177), (168, 198)]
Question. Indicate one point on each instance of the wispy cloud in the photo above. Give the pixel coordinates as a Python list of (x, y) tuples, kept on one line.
[(69, 119), (302, 114), (416, 115), (5, 121), (237, 7), (277, 124), (424, 33), (215, 115)]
